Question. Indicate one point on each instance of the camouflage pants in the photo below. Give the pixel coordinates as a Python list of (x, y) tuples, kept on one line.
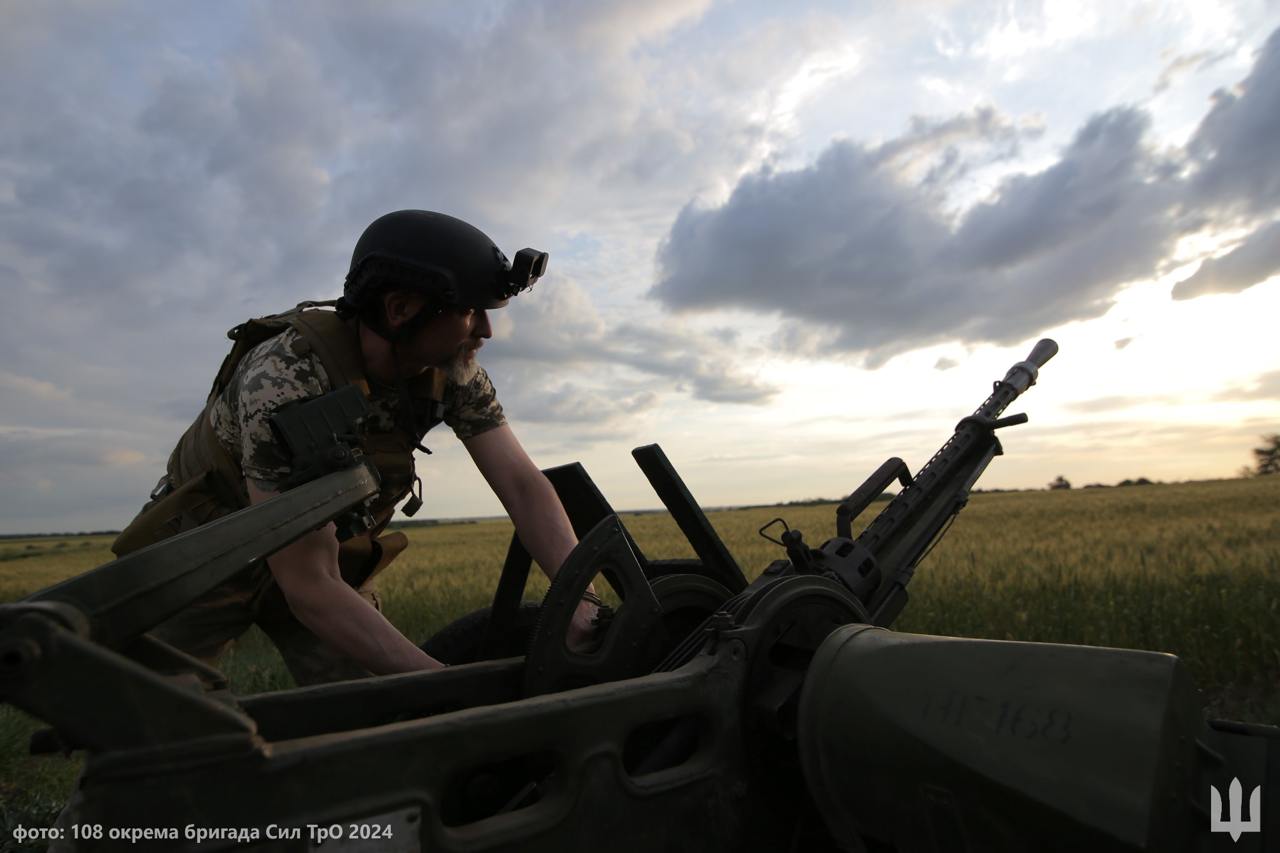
[(208, 626)]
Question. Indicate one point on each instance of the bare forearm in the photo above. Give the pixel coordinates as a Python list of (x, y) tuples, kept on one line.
[(527, 495), (534, 506), (542, 524), (308, 575), (337, 614), (547, 534)]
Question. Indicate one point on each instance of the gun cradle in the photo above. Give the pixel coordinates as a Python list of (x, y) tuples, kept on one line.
[(789, 726)]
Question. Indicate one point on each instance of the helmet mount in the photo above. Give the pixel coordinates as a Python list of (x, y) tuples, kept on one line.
[(452, 261)]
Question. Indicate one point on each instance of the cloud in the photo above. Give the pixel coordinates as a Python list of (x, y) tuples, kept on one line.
[(850, 246), (1179, 65), (931, 149), (1234, 150), (1123, 342), (562, 331), (945, 364), (858, 252), (1108, 404), (1146, 437), (164, 176), (169, 175), (227, 171), (1255, 260), (32, 387), (242, 176), (573, 403), (122, 456), (44, 449), (718, 384), (1266, 386)]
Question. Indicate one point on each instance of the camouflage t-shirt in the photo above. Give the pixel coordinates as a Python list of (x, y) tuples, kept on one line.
[(275, 373)]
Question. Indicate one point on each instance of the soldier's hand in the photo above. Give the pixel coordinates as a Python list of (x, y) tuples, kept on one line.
[(582, 628)]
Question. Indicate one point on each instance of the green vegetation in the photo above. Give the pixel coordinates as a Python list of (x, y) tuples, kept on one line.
[(1192, 569)]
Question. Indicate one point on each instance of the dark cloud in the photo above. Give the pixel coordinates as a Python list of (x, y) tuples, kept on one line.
[(1123, 342), (155, 204), (229, 172), (858, 252), (847, 245), (1266, 386), (1255, 260), (226, 168), (1234, 150)]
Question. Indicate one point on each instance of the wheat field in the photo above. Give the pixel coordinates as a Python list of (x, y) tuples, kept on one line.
[(1192, 569)]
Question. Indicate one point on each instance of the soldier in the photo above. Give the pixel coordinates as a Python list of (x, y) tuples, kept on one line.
[(413, 313)]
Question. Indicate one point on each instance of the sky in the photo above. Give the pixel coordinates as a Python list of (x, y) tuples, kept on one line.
[(787, 241)]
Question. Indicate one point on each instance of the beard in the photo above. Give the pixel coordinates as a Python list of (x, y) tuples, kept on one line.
[(462, 368)]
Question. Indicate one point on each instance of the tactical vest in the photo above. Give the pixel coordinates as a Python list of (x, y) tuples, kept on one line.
[(204, 481)]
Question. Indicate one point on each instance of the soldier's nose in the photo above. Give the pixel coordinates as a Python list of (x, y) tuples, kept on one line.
[(482, 328)]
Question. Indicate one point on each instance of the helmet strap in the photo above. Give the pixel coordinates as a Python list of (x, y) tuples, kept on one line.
[(406, 411)]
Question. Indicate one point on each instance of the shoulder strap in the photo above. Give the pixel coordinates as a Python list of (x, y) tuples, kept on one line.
[(331, 338), (247, 335), (335, 343), (252, 332)]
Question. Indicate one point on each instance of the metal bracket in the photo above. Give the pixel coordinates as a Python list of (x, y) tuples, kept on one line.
[(634, 639)]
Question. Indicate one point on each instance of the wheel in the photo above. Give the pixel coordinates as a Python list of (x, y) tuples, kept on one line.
[(463, 640)]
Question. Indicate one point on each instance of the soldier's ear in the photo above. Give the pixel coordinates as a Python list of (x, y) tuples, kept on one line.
[(400, 306)]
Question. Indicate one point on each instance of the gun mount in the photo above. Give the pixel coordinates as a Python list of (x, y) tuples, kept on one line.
[(716, 714)]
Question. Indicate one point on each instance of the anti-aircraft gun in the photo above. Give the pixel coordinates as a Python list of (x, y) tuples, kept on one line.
[(716, 713)]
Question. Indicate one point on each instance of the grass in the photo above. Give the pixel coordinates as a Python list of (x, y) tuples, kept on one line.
[(1192, 569)]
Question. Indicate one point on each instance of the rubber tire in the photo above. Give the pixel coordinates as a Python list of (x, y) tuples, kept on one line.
[(460, 641)]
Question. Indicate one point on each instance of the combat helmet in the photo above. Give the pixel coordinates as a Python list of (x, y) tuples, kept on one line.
[(450, 260)]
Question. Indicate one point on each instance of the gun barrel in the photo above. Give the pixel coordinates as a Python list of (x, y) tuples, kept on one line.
[(1045, 349), (1019, 378), (902, 533), (1024, 374)]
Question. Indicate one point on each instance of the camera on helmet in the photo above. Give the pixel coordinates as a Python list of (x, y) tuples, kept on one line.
[(529, 266)]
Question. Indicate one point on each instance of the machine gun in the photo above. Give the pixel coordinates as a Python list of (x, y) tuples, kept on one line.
[(716, 714), (877, 566)]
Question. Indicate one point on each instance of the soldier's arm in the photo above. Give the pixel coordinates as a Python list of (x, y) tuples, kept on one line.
[(526, 494), (534, 507), (308, 575)]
